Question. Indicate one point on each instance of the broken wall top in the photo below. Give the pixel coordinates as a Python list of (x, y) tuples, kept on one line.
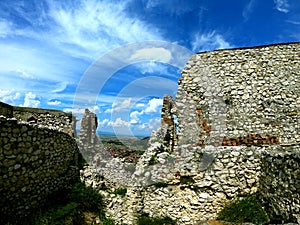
[(241, 94)]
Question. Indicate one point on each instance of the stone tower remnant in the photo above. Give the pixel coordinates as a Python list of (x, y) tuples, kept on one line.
[(88, 137)]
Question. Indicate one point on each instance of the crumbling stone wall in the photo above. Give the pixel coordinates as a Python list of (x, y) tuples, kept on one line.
[(240, 92), (35, 162), (238, 133), (88, 140), (55, 119), (280, 183)]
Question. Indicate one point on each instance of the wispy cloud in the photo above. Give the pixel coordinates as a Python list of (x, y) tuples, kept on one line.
[(293, 22), (209, 41), (5, 28), (248, 9), (59, 87), (282, 5), (24, 74), (97, 26), (54, 103)]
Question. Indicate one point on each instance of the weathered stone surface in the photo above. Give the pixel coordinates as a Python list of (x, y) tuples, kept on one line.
[(35, 162), (88, 140)]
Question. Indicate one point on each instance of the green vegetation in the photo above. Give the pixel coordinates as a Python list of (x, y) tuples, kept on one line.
[(120, 191), (160, 184), (81, 205), (248, 209), (144, 219), (152, 161)]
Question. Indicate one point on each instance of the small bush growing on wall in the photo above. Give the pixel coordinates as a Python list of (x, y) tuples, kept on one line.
[(248, 209)]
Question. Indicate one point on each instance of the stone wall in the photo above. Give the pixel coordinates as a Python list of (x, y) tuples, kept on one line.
[(280, 183), (238, 133), (6, 110), (35, 163), (88, 140), (231, 94), (55, 119)]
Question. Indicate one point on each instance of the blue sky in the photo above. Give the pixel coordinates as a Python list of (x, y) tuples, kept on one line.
[(49, 47)]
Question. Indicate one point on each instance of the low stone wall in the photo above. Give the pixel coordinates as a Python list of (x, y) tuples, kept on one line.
[(55, 119), (198, 195), (188, 197), (34, 164)]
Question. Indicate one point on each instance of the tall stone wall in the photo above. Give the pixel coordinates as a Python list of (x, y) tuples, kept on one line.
[(225, 96), (35, 163), (238, 133)]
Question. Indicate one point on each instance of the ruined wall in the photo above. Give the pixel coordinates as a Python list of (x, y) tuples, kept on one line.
[(88, 140), (35, 162), (236, 93), (238, 133), (55, 119)]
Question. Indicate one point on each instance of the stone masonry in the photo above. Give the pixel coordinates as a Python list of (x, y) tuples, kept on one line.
[(88, 140), (36, 162), (238, 133)]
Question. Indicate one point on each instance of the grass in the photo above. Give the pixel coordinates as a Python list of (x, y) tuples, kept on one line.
[(120, 191), (70, 208), (144, 219), (248, 209)]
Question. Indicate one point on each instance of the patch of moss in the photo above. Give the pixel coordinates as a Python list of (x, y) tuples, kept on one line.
[(120, 191), (160, 184), (241, 210), (144, 219), (70, 208)]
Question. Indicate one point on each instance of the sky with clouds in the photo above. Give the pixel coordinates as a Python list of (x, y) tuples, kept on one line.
[(53, 51)]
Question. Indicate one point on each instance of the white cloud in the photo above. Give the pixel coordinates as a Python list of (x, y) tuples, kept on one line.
[(153, 67), (282, 5), (153, 54), (209, 41), (120, 105), (31, 100), (154, 105), (9, 96), (103, 123), (118, 122), (80, 110), (53, 103), (5, 28), (154, 124), (140, 105), (59, 87), (97, 26), (134, 116), (23, 74)]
